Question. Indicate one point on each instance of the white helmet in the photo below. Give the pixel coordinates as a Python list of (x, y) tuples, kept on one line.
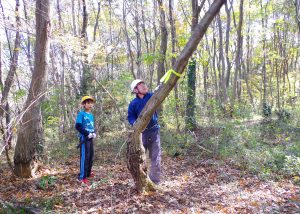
[(135, 83)]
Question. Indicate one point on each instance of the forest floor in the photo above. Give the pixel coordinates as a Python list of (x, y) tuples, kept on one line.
[(189, 185)]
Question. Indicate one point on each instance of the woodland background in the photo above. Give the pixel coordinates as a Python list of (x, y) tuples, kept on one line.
[(234, 115)]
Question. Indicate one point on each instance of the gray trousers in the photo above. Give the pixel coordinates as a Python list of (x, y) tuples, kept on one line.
[(151, 142)]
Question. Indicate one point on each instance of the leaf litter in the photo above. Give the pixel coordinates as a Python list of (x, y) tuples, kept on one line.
[(188, 186)]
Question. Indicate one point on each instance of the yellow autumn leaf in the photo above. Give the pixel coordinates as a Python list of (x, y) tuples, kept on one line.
[(185, 177), (296, 178), (149, 193), (254, 204)]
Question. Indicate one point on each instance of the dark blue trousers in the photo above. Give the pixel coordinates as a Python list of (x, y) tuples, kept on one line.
[(86, 158)]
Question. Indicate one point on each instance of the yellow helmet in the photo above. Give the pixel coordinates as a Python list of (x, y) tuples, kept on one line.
[(84, 98)]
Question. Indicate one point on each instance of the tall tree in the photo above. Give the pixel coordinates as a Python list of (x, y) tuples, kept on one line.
[(87, 77), (163, 41), (135, 150), (97, 21), (128, 41), (297, 8), (238, 55), (223, 89), (173, 43), (265, 105), (30, 133), (191, 73)]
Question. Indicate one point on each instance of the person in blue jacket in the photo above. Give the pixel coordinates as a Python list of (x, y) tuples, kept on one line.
[(86, 129), (151, 135)]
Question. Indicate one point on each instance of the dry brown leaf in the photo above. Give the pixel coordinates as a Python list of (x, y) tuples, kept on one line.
[(149, 193)]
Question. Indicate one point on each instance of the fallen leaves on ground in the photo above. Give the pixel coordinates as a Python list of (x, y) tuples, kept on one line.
[(188, 186)]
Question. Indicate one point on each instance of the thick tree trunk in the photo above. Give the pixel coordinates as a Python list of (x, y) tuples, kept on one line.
[(135, 159), (135, 151), (30, 134)]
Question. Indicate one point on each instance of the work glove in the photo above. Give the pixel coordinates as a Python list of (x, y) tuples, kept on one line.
[(90, 136), (94, 135)]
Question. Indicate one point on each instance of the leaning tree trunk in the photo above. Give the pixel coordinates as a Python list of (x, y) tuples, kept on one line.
[(30, 132), (135, 150)]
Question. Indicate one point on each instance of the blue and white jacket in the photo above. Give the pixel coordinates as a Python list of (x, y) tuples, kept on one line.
[(84, 124)]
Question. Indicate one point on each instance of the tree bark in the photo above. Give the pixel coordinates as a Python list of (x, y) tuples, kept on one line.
[(138, 42), (128, 41), (222, 81), (87, 77), (264, 69), (190, 121), (73, 18), (134, 145), (97, 22), (173, 43), (248, 64), (30, 134), (228, 24), (238, 56), (297, 8), (28, 45), (163, 42)]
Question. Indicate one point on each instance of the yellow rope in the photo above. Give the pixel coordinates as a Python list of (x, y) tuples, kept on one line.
[(167, 75)]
